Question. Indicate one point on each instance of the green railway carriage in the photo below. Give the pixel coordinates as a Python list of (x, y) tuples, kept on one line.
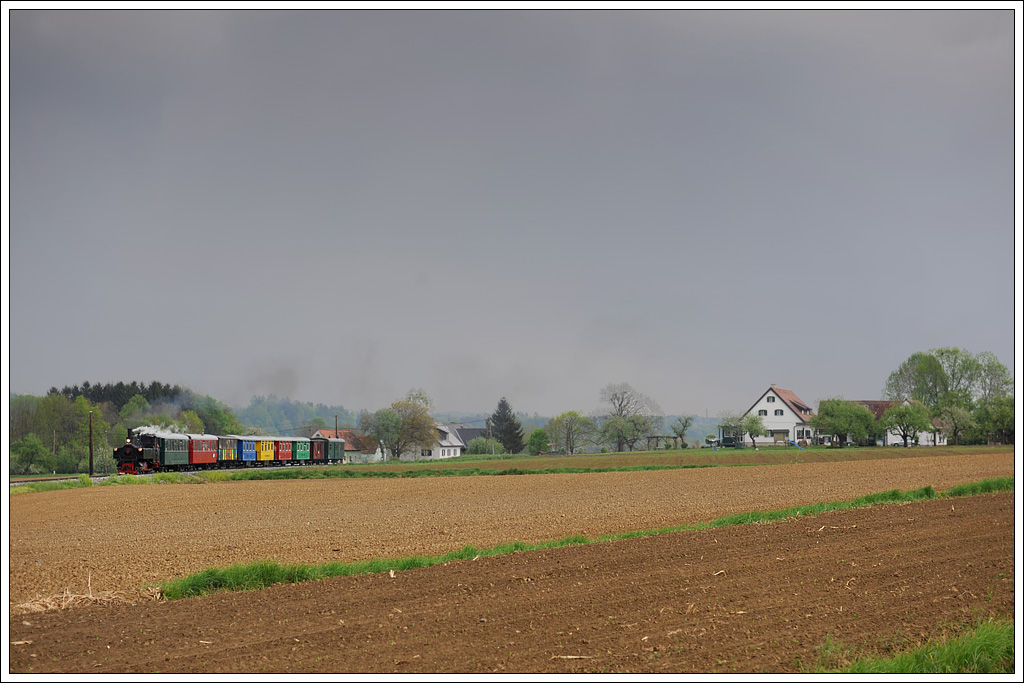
[(300, 448), (329, 449), (172, 449)]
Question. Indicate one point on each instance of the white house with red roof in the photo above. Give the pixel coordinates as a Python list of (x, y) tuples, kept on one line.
[(933, 437), (786, 417)]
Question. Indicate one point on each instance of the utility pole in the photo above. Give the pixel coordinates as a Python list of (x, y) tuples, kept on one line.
[(90, 443)]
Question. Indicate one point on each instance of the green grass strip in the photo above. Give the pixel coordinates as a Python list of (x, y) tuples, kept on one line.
[(265, 573), (986, 648), (277, 474), (986, 486)]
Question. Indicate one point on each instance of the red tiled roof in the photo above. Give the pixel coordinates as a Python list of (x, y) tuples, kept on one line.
[(352, 440), (877, 408)]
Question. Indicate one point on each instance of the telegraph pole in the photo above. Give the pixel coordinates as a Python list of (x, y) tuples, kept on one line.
[(90, 443)]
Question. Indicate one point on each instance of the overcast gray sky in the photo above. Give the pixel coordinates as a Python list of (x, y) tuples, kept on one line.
[(339, 206)]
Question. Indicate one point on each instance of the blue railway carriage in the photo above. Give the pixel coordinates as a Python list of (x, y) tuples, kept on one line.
[(238, 450)]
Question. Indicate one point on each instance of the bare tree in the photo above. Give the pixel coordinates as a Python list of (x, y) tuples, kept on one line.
[(632, 415)]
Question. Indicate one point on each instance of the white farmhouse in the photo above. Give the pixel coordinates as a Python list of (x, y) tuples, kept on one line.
[(448, 445), (784, 414)]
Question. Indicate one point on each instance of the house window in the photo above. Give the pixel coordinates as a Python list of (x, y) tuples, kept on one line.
[(762, 413), (778, 411), (771, 399)]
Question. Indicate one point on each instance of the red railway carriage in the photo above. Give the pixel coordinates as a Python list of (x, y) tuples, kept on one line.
[(202, 449), (283, 449)]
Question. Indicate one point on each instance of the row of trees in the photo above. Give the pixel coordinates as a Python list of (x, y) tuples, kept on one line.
[(851, 420), (51, 433), (627, 421), (970, 394)]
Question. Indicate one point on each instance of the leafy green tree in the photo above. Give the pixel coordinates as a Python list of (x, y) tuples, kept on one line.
[(190, 423), (570, 431), (962, 371), (843, 419), (27, 454), (22, 416), (217, 418), (403, 427), (64, 461), (731, 425), (506, 427), (385, 427), (752, 425), (681, 426), (616, 432), (136, 406), (907, 420), (995, 421), (994, 380), (956, 420), (920, 377), (485, 446), (538, 442)]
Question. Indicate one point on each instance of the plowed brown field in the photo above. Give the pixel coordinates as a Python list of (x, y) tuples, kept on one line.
[(747, 598)]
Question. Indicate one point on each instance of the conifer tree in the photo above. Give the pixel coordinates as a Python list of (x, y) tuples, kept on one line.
[(506, 428)]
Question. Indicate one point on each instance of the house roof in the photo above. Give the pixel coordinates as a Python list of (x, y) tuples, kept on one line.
[(448, 436), (877, 408), (467, 434), (795, 403), (353, 441)]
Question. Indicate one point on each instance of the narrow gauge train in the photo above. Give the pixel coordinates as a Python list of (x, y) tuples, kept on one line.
[(152, 451)]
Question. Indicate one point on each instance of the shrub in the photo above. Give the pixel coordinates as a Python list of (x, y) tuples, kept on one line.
[(481, 446)]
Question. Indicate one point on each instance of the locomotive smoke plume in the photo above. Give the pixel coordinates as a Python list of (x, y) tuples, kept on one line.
[(157, 430)]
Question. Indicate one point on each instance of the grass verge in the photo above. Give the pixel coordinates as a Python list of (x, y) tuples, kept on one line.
[(987, 647), (266, 573), (204, 477)]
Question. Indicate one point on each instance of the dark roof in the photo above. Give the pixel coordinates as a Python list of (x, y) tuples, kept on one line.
[(467, 434)]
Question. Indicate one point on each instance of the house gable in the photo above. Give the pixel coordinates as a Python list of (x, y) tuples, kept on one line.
[(792, 407)]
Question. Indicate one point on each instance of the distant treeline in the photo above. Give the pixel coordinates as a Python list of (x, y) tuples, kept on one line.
[(273, 415), (119, 394)]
